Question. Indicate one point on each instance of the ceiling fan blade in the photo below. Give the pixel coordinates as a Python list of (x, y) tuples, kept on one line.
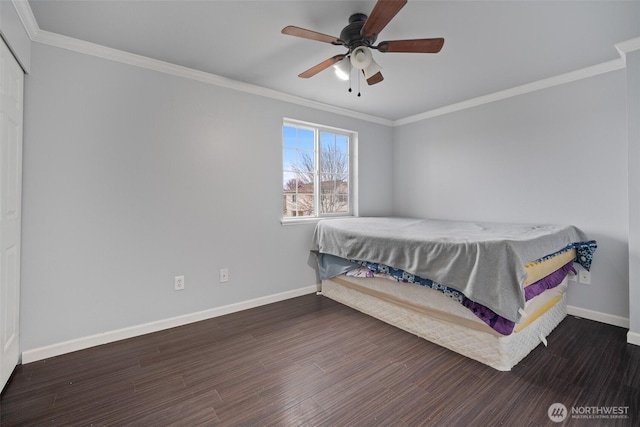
[(382, 13), (416, 45), (321, 66), (376, 78), (311, 35)]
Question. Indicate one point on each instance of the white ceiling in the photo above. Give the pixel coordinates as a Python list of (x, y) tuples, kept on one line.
[(489, 45)]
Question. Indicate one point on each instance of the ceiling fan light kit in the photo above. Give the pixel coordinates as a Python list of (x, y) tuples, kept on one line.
[(359, 37), (343, 69), (361, 57), (371, 71)]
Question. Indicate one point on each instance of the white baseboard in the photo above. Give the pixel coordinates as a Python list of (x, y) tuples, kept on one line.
[(633, 338), (609, 319), (58, 349)]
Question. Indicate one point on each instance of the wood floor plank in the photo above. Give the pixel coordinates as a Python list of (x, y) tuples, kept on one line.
[(310, 361)]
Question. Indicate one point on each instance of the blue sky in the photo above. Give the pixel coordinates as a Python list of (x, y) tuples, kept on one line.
[(297, 140)]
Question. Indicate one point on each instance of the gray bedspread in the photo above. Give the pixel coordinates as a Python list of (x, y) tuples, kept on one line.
[(485, 261)]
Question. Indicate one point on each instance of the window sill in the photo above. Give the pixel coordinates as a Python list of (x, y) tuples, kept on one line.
[(313, 220)]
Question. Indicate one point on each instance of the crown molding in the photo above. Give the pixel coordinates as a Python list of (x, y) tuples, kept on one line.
[(628, 46), (605, 67), (569, 77), (81, 46), (26, 16), (93, 49)]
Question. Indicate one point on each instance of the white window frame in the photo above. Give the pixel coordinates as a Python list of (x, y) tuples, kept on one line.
[(352, 194)]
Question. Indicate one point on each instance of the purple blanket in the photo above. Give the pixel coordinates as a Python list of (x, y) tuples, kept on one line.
[(504, 326)]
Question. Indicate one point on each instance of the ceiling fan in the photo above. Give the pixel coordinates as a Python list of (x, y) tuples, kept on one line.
[(359, 37)]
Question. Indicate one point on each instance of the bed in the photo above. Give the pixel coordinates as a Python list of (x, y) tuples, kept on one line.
[(489, 291)]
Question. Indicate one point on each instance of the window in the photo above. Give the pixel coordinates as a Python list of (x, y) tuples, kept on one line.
[(317, 171)]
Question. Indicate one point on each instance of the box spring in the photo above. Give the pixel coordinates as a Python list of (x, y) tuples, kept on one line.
[(460, 333)]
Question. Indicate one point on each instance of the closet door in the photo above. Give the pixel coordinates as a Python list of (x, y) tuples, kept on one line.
[(11, 92)]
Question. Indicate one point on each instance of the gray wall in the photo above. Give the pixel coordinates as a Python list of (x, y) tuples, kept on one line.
[(132, 177), (558, 155)]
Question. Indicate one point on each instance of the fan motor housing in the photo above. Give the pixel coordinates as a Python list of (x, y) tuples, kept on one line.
[(350, 34)]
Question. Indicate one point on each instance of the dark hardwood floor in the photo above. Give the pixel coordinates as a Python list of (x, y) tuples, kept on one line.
[(310, 361)]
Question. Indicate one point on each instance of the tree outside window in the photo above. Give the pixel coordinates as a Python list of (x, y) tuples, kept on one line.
[(316, 171)]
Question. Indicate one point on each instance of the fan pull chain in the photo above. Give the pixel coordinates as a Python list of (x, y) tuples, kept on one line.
[(358, 83), (350, 79)]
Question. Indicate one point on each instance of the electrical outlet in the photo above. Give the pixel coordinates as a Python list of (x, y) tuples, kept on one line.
[(178, 283), (224, 275), (584, 277), (573, 276)]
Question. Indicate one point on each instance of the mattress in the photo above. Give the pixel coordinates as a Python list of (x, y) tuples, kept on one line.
[(435, 317), (484, 261), (545, 268), (540, 269)]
